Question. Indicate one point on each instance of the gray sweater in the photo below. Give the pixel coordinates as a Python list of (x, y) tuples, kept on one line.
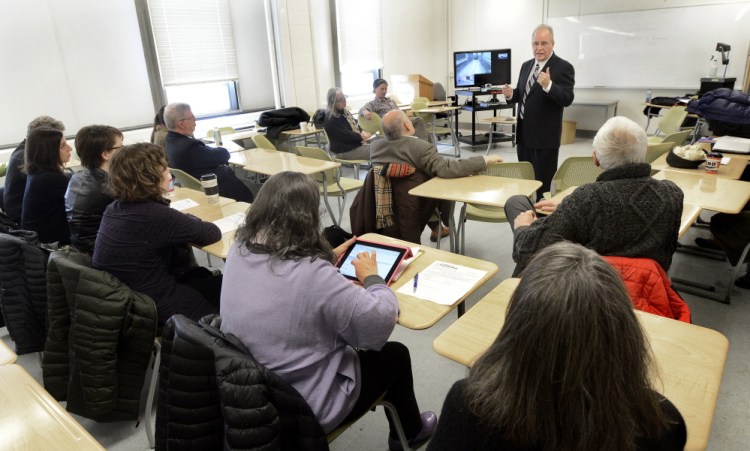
[(625, 213)]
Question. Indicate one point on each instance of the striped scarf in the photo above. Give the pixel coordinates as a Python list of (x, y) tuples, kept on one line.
[(383, 191)]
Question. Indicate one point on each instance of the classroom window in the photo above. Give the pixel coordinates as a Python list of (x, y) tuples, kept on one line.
[(194, 44), (359, 45)]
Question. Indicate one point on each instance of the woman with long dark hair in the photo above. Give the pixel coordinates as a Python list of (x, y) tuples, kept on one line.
[(570, 369), (326, 336), (43, 209)]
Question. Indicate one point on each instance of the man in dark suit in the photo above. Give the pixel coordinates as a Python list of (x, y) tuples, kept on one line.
[(545, 87), (191, 155)]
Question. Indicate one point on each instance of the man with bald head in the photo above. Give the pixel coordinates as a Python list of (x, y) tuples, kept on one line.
[(401, 146)]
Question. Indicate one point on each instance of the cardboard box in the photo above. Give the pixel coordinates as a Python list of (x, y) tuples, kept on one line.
[(568, 132)]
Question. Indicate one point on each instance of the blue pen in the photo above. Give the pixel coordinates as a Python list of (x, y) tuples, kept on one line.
[(416, 281)]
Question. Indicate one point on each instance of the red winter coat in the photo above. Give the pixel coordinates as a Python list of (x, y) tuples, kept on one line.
[(649, 287)]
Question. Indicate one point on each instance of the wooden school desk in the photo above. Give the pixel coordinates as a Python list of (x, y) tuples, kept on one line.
[(499, 120), (297, 135), (709, 192), (690, 358), (7, 356), (271, 162), (418, 313), (477, 189), (732, 170), (30, 418), (690, 212), (210, 213)]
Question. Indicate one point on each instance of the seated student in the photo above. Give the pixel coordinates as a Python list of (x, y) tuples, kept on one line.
[(15, 178), (625, 213), (731, 233), (191, 155), (400, 146), (570, 369), (145, 244), (299, 317), (381, 105), (87, 195), (43, 209), (159, 133), (347, 140)]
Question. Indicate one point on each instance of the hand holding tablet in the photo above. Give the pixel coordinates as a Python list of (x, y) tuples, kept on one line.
[(388, 258)]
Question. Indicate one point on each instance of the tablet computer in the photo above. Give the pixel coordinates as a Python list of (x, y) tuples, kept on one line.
[(389, 257)]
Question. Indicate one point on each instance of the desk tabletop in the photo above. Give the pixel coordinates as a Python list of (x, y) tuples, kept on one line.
[(212, 213), (32, 419), (7, 356), (239, 135), (438, 109), (478, 189), (271, 162), (690, 358), (181, 193), (431, 103), (299, 132), (420, 314), (732, 170), (708, 191), (499, 120)]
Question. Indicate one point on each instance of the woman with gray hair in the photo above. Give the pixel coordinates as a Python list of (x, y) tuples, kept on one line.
[(348, 141), (570, 369), (623, 213)]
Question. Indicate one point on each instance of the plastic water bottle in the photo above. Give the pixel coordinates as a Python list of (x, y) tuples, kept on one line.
[(648, 96), (217, 136)]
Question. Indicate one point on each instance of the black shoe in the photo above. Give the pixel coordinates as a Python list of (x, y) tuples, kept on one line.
[(743, 282), (707, 244)]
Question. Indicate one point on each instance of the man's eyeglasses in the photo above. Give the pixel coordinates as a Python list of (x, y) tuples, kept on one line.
[(191, 118)]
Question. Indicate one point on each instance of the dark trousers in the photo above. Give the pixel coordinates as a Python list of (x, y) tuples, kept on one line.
[(389, 371), (514, 206), (544, 162)]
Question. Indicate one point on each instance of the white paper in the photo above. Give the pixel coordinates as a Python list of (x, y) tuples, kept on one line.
[(725, 161), (183, 204), (443, 283), (230, 223)]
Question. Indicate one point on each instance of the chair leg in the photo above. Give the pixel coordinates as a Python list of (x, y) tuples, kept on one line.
[(462, 229), (397, 423), (154, 380)]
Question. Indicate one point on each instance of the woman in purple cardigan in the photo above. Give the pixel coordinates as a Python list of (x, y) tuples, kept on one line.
[(326, 336), (145, 243)]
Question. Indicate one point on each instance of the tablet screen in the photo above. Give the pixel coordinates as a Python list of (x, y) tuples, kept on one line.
[(389, 257)]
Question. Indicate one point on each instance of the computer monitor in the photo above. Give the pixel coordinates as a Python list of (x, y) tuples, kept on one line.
[(478, 67)]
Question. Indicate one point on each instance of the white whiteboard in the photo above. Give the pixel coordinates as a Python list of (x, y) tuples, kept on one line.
[(660, 48)]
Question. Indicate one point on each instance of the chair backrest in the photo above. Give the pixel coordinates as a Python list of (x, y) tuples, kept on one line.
[(332, 175), (515, 170), (438, 91), (656, 150), (212, 375), (420, 103), (575, 171), (672, 120), (186, 180), (262, 142), (678, 138), (372, 125)]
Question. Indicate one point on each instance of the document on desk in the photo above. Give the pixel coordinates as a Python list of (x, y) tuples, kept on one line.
[(443, 283), (230, 223), (183, 204)]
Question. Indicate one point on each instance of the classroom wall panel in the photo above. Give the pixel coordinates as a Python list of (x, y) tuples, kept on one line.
[(79, 61)]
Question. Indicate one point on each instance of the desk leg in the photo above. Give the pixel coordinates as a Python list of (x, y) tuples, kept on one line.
[(461, 308), (325, 199), (454, 138), (489, 138), (452, 230)]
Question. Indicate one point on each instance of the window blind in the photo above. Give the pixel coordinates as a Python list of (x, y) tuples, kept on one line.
[(360, 43), (194, 40)]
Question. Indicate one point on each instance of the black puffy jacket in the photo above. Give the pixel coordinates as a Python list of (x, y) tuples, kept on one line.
[(214, 395), (23, 289), (99, 341), (282, 119), (85, 201), (727, 111)]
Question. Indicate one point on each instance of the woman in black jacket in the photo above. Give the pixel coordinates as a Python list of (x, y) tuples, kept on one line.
[(348, 142), (43, 209), (87, 195)]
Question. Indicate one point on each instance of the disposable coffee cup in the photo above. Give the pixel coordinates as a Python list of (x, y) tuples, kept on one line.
[(210, 188), (713, 161), (303, 127)]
